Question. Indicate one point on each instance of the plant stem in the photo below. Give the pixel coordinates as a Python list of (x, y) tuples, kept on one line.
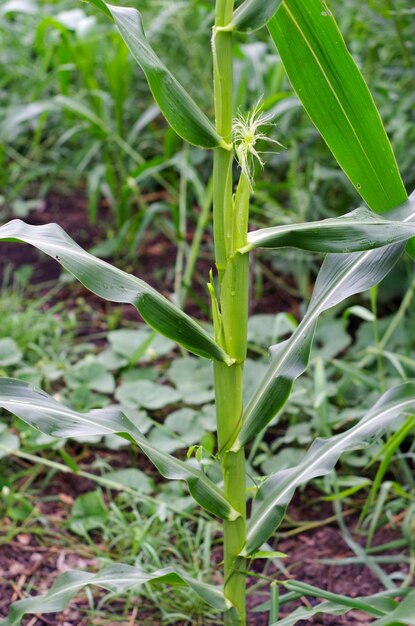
[(230, 231)]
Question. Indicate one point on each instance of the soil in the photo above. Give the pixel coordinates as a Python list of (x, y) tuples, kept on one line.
[(33, 561), (154, 260)]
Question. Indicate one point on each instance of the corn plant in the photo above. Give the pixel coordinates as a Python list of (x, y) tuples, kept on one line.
[(361, 248)]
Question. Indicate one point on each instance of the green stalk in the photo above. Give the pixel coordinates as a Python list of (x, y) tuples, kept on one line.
[(230, 230)]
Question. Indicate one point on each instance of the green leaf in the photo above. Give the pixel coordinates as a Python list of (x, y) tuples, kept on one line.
[(8, 442), (337, 99), (139, 345), (376, 604), (132, 478), (253, 14), (100, 4), (305, 613), (341, 276), (193, 379), (91, 374), (148, 395), (402, 614), (10, 353), (265, 554), (112, 284), (41, 411), (89, 512), (356, 231), (276, 492), (115, 578), (179, 109)]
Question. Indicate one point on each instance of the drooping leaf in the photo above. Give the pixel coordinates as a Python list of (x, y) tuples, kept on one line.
[(253, 14), (376, 604), (179, 109), (305, 613), (275, 493), (112, 284), (341, 276), (403, 614), (115, 578), (356, 231), (337, 99), (43, 412)]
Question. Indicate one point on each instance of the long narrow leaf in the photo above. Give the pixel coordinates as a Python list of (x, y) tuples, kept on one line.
[(378, 604), (41, 411), (337, 99), (276, 492), (115, 578), (356, 231), (253, 14), (112, 284), (179, 109), (305, 613), (403, 614), (341, 276)]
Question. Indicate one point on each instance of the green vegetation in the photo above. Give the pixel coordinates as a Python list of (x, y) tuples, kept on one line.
[(124, 387)]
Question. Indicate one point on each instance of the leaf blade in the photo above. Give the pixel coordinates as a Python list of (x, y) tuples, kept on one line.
[(252, 15), (341, 276), (43, 412), (179, 109), (114, 285), (337, 99), (356, 231), (276, 492), (115, 578)]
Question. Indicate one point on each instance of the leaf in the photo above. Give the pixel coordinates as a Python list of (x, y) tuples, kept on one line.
[(356, 231), (193, 379), (8, 442), (41, 411), (253, 14), (91, 374), (139, 344), (115, 578), (402, 614), (10, 353), (340, 276), (179, 109), (112, 284), (337, 99), (146, 394), (275, 493), (89, 512), (305, 613), (131, 478), (376, 604)]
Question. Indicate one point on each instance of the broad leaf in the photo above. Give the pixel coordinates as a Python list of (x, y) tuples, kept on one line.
[(52, 418), (337, 99), (356, 231), (112, 284), (341, 276), (179, 109), (276, 492), (115, 578), (253, 14)]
